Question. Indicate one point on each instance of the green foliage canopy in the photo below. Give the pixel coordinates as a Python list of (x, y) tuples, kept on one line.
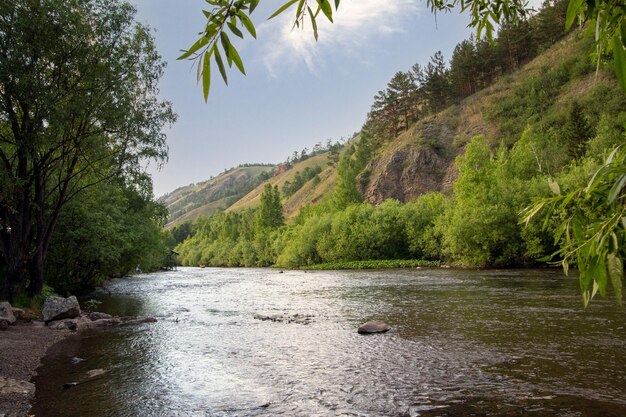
[(79, 106), (591, 229)]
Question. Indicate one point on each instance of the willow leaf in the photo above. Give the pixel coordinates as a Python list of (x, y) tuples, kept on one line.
[(220, 64), (237, 59), (313, 23), (195, 47), (247, 23), (326, 9), (616, 272), (206, 76), (235, 30), (283, 8), (572, 11), (619, 57)]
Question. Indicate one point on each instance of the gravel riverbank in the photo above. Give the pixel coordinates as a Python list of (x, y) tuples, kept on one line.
[(22, 346)]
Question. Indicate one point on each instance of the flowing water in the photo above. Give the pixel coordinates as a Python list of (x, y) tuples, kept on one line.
[(257, 342)]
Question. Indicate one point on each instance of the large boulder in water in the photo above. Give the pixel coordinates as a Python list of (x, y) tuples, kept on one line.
[(6, 315), (374, 326), (57, 308)]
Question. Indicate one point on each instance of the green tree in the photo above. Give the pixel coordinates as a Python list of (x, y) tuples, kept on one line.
[(482, 229), (270, 211), (437, 85), (403, 89), (105, 231), (463, 72), (182, 231), (550, 24), (78, 106), (424, 241), (346, 191), (577, 131)]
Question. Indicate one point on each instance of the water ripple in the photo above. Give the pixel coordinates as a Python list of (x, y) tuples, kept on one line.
[(234, 342)]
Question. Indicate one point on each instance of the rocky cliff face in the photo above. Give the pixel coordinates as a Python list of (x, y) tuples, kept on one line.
[(405, 174), (419, 161)]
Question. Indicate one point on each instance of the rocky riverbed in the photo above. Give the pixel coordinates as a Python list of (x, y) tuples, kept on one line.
[(25, 338)]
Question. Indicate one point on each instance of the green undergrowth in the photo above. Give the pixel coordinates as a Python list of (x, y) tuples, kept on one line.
[(375, 264)]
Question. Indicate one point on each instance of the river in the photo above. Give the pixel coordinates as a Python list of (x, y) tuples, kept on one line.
[(463, 343)]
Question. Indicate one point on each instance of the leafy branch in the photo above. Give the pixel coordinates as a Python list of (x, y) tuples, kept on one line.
[(606, 20), (234, 16), (592, 233), (486, 14)]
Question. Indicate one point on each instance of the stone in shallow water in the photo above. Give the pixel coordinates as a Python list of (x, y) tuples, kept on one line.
[(95, 372), (374, 326)]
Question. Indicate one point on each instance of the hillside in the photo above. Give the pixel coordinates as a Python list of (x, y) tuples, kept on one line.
[(205, 198), (308, 194), (488, 156), (422, 159)]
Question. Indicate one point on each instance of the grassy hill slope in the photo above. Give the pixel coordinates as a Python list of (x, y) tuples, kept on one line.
[(309, 193), (189, 202)]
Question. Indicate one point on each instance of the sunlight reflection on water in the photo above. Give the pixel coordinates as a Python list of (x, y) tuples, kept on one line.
[(499, 342)]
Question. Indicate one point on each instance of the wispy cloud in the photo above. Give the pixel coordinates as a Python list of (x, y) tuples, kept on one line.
[(357, 24)]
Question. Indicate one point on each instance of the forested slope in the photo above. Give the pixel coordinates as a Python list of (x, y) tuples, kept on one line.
[(447, 160), (541, 94), (303, 182)]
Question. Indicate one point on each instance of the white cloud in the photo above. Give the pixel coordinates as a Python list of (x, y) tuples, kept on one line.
[(357, 24)]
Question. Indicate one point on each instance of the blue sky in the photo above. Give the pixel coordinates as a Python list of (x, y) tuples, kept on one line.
[(296, 92)]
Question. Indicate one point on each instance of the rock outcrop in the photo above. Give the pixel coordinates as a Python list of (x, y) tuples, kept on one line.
[(422, 159), (405, 174), (57, 308), (374, 326)]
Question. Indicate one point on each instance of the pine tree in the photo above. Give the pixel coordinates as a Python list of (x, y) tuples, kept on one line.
[(463, 69), (403, 89), (577, 131), (437, 84)]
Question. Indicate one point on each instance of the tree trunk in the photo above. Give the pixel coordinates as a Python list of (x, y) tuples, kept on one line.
[(35, 275), (15, 276)]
